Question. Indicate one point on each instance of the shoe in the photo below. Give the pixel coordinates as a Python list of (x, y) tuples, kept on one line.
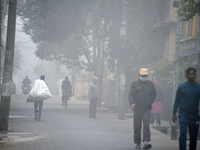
[(39, 119), (35, 118), (147, 146), (138, 146)]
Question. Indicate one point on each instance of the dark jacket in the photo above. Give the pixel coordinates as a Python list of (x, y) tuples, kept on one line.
[(142, 94), (26, 81), (159, 95), (66, 89), (66, 85)]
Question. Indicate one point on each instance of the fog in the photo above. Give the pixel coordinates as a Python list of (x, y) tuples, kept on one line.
[(100, 46)]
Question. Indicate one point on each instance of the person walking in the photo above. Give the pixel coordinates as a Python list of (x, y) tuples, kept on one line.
[(187, 100), (66, 90), (142, 94), (93, 97), (38, 112), (157, 105)]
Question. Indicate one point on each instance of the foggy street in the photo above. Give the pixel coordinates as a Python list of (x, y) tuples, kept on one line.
[(72, 129), (122, 55)]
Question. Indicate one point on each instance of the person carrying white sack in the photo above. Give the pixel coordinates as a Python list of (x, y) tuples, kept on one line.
[(38, 93)]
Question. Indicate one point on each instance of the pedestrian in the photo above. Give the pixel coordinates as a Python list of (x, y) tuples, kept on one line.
[(38, 112), (93, 97), (187, 100), (157, 108), (66, 90), (142, 94)]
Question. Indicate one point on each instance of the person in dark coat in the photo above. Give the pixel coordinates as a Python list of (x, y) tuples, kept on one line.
[(93, 97), (66, 90), (142, 94), (26, 81), (157, 105)]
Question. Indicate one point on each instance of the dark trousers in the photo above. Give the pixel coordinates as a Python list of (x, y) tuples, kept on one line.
[(93, 107), (153, 116), (65, 95), (193, 126), (141, 116)]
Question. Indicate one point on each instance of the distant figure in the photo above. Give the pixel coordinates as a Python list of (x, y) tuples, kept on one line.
[(187, 100), (157, 105), (26, 85), (26, 81), (93, 97), (40, 103), (66, 90), (142, 94)]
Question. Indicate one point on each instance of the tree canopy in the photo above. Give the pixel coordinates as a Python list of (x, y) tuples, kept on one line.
[(67, 29), (143, 44), (188, 9), (52, 24), (53, 20)]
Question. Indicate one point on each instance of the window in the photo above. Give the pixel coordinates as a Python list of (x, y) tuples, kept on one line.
[(190, 28), (183, 25)]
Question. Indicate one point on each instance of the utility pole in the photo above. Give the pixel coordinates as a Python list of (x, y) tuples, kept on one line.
[(122, 77), (176, 71), (100, 64), (74, 79), (0, 37), (8, 66), (98, 51)]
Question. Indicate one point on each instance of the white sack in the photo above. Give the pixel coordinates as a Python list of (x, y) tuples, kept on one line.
[(39, 92)]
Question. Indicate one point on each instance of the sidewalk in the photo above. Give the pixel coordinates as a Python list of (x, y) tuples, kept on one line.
[(71, 129)]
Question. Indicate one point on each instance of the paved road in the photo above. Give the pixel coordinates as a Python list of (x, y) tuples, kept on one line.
[(72, 129)]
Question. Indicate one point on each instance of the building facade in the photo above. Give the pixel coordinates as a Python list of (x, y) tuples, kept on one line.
[(190, 41)]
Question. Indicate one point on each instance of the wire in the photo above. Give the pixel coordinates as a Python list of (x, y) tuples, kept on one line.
[(156, 12)]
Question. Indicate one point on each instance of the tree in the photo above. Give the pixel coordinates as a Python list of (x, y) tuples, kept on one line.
[(165, 70), (57, 27), (106, 18), (51, 23), (54, 20), (45, 68), (143, 44), (188, 9), (65, 52)]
